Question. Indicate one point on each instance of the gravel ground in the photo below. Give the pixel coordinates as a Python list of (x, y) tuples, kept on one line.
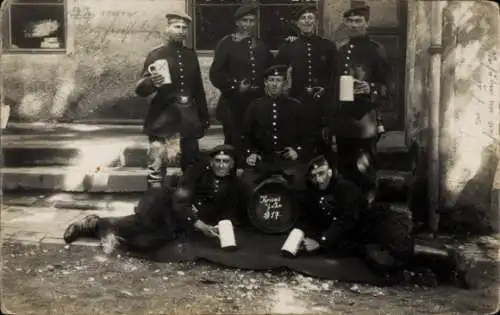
[(53, 279)]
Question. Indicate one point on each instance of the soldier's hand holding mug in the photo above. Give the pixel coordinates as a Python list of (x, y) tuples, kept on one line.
[(208, 230), (361, 87), (310, 244), (252, 159), (290, 154), (158, 79), (244, 85)]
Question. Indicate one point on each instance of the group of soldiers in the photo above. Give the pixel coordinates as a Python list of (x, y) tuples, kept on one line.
[(279, 114)]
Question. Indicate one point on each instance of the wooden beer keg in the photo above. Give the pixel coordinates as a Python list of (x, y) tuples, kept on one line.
[(272, 208)]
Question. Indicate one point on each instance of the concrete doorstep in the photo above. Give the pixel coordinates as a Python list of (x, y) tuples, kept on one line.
[(121, 180)]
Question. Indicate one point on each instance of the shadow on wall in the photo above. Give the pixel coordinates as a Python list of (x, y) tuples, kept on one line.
[(469, 215), (103, 95)]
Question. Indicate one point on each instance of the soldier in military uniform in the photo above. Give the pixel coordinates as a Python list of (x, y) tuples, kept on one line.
[(313, 62), (178, 104), (356, 123), (335, 217), (272, 138), (206, 193), (237, 70)]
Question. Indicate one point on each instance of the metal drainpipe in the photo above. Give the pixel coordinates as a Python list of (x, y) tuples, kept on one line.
[(435, 51)]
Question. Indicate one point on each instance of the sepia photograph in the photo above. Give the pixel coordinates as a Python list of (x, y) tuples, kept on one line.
[(249, 157)]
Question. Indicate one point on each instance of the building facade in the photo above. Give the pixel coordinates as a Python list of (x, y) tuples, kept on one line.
[(80, 59)]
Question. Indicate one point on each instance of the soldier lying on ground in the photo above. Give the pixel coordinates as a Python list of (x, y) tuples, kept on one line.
[(335, 218), (205, 194)]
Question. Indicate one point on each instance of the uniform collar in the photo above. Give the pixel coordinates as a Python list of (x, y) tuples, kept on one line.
[(307, 37), (359, 39), (175, 44)]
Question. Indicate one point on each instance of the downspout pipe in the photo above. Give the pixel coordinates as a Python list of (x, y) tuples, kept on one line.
[(435, 52)]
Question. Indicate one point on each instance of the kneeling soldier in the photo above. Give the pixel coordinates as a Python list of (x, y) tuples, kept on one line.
[(205, 194), (336, 218)]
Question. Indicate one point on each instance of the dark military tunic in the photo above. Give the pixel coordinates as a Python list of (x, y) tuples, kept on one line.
[(313, 60), (233, 62), (330, 215), (180, 106), (365, 60), (211, 198), (271, 125)]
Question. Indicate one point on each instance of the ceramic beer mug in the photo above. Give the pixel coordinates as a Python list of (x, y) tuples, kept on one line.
[(160, 66), (293, 243), (4, 115), (226, 235), (346, 88)]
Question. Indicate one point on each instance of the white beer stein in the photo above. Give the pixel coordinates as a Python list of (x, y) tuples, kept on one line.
[(160, 66), (226, 234), (293, 242), (4, 115), (346, 88)]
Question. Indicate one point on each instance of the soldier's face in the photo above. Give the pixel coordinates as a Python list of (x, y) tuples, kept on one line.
[(356, 25), (222, 165), (176, 29), (274, 85), (246, 24), (307, 23), (321, 176)]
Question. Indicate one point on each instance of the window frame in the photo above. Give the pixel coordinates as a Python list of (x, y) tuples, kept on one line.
[(7, 47), (191, 6)]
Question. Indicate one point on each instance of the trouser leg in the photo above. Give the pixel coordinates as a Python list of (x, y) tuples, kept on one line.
[(133, 234), (190, 152), (356, 161), (157, 160)]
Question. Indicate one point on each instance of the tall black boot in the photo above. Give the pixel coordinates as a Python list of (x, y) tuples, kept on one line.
[(86, 227)]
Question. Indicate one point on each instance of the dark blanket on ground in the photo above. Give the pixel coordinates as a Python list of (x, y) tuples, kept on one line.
[(262, 252)]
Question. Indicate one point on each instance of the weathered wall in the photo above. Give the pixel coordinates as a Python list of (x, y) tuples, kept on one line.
[(469, 109), (108, 41), (417, 69), (469, 136)]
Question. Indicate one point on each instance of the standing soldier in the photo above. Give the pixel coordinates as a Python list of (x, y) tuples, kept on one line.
[(171, 78), (356, 123), (238, 72), (313, 62)]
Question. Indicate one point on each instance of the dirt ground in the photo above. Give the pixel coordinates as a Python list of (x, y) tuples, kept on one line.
[(53, 279)]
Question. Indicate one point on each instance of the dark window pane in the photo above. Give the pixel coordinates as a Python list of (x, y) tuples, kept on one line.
[(277, 24), (288, 1), (5, 27), (38, 1), (213, 23), (221, 1), (38, 27)]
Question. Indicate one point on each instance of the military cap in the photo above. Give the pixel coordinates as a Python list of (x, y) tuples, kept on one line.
[(245, 10), (225, 149), (178, 15), (276, 70), (358, 7), (304, 9), (317, 162)]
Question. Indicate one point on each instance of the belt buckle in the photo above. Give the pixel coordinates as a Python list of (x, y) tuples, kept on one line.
[(183, 99)]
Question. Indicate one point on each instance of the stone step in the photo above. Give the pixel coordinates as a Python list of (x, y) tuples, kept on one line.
[(115, 149), (127, 179)]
